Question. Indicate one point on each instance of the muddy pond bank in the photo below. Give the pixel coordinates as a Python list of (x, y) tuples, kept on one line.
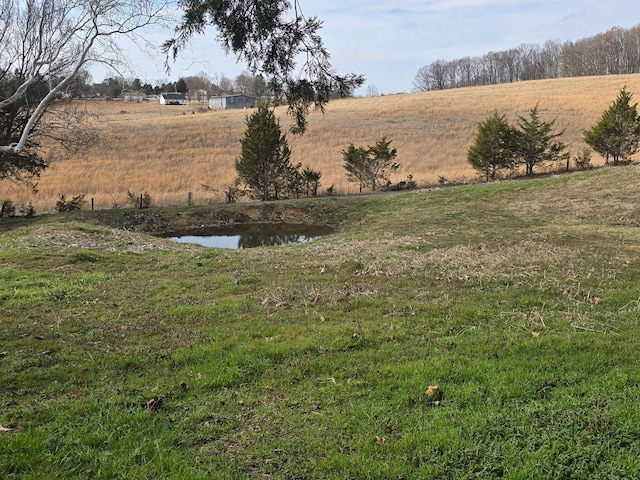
[(172, 221)]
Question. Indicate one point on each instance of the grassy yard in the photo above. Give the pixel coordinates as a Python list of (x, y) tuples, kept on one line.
[(127, 356)]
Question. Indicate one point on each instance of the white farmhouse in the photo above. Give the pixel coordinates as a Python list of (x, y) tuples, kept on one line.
[(173, 99)]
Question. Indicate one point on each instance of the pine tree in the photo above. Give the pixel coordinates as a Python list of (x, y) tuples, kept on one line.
[(264, 165), (273, 38), (371, 165), (311, 180), (617, 133), (381, 163), (355, 164), (494, 146), (536, 143)]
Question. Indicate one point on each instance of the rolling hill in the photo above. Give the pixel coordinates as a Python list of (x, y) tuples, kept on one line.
[(169, 151)]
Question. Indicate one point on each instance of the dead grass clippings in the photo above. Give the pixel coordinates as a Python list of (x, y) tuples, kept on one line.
[(113, 240)]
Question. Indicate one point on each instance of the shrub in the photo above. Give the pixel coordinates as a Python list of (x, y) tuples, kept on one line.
[(30, 211), (234, 191), (583, 159), (408, 184), (146, 200), (64, 205), (8, 209), (311, 181), (139, 201)]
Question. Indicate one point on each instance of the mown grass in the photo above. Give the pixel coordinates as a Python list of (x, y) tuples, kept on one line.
[(520, 300)]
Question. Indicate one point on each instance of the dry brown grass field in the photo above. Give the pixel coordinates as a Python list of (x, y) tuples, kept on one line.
[(169, 151)]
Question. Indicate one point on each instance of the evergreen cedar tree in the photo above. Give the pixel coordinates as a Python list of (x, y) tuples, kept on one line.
[(617, 134), (535, 142), (354, 163), (264, 164), (499, 146), (270, 36), (371, 165), (494, 146)]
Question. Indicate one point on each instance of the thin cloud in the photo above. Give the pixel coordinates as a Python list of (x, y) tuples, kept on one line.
[(388, 41)]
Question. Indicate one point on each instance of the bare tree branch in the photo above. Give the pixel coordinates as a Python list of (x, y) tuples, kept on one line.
[(274, 38), (52, 40)]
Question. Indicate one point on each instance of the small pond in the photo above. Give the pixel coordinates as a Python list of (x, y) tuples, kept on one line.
[(251, 235)]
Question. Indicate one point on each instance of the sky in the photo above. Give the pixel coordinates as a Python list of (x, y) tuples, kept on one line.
[(388, 41)]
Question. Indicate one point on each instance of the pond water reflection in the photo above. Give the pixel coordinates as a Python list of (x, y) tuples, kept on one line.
[(251, 235)]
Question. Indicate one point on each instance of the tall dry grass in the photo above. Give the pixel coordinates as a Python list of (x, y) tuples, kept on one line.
[(170, 151)]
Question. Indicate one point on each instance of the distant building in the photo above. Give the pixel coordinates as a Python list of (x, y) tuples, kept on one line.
[(200, 96), (134, 96), (226, 102), (173, 99)]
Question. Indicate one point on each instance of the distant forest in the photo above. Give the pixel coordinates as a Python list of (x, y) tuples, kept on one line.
[(612, 53)]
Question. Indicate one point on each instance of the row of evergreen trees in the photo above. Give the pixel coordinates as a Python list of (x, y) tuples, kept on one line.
[(500, 146), (265, 170), (264, 166)]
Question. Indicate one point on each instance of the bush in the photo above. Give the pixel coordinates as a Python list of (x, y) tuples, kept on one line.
[(8, 209), (408, 184), (64, 205), (30, 211), (139, 201), (232, 193), (311, 181), (583, 159)]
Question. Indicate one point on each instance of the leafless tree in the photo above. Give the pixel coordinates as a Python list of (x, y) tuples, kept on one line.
[(431, 77), (421, 81), (616, 51), (372, 91), (244, 83), (200, 82), (46, 44), (222, 85)]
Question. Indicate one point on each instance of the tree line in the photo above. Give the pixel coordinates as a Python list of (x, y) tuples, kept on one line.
[(112, 87), (614, 52)]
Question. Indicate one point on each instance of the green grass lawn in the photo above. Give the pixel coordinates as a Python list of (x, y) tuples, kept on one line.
[(127, 356)]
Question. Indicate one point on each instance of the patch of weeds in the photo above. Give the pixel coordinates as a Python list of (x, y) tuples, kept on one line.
[(352, 266), (84, 256), (7, 209), (91, 229), (75, 203)]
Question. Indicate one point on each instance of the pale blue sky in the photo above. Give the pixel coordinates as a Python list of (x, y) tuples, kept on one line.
[(389, 41)]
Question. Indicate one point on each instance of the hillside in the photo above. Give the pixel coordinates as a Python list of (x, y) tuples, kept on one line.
[(129, 356), (171, 151)]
